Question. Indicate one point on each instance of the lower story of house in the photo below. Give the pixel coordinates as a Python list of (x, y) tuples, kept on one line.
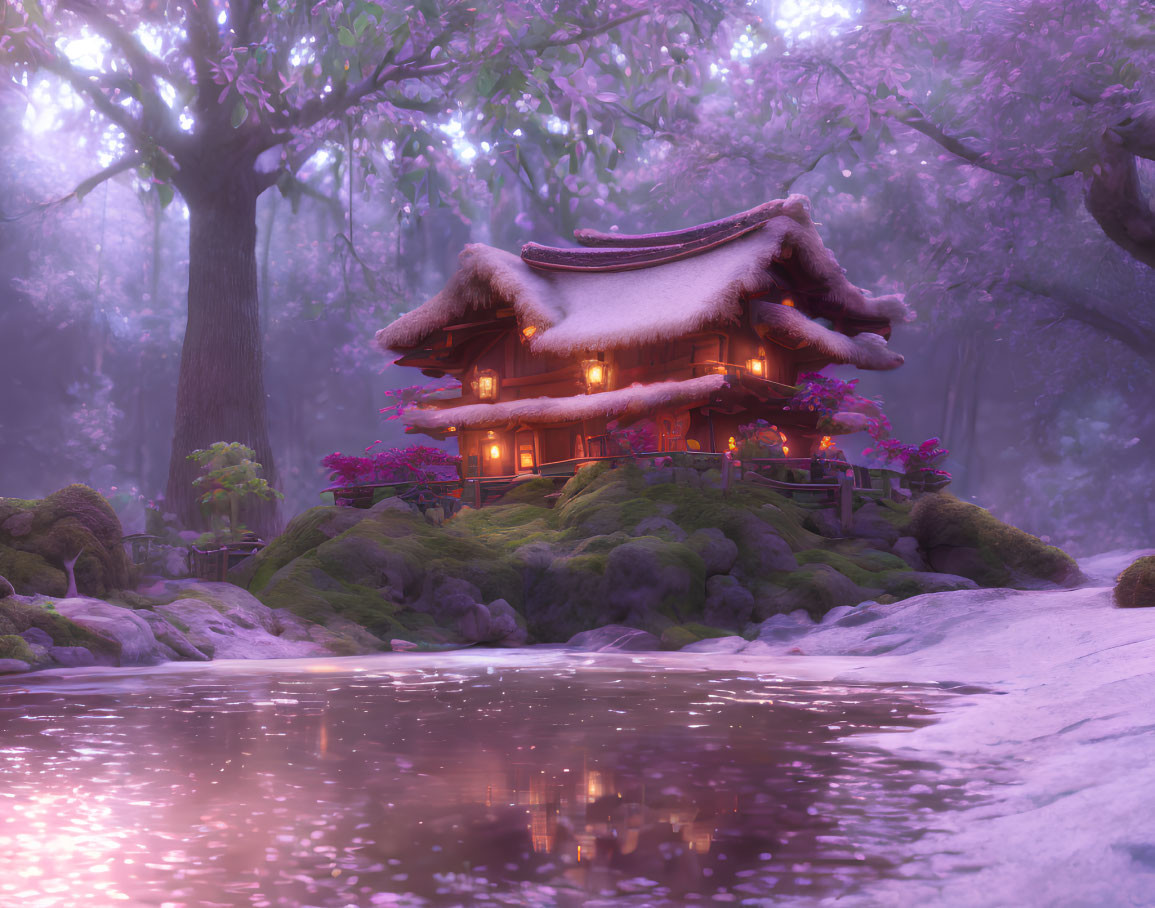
[(556, 435)]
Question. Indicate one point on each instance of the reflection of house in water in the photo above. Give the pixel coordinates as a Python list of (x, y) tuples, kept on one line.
[(580, 815)]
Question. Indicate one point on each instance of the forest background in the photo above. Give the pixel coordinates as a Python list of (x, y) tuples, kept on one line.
[(989, 158)]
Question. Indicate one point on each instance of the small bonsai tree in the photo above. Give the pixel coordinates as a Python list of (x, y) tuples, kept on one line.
[(229, 476), (1135, 587)]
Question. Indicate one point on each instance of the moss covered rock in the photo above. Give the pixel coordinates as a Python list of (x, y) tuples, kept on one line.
[(18, 615), (38, 537), (1135, 587), (15, 647), (964, 539)]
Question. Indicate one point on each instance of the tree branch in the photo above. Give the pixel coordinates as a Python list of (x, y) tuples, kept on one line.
[(87, 87), (1138, 339), (594, 31), (83, 188), (1114, 195)]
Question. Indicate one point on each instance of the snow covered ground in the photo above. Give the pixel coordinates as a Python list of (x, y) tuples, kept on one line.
[(1068, 732)]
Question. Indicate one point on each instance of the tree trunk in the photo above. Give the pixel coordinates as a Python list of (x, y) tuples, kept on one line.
[(221, 389)]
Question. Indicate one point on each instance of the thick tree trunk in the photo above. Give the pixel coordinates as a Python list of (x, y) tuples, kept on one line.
[(221, 389)]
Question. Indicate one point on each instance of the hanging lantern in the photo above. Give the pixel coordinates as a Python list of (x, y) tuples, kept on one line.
[(757, 366), (528, 331), (596, 375), (492, 446), (486, 384)]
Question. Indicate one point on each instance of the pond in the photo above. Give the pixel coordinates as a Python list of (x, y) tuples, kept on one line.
[(520, 778)]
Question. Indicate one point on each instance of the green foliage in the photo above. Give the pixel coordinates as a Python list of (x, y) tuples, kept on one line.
[(15, 647)]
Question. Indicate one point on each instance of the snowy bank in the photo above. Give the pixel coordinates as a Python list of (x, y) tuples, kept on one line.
[(1066, 738)]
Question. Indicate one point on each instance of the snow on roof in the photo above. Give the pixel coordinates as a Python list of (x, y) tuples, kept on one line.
[(631, 401), (576, 311), (795, 330)]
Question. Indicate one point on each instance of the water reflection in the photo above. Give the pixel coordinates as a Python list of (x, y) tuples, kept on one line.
[(561, 784)]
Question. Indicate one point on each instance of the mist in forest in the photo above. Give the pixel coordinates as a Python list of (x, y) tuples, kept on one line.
[(981, 161)]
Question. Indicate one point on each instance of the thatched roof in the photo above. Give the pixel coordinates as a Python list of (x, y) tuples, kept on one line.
[(624, 402), (604, 309)]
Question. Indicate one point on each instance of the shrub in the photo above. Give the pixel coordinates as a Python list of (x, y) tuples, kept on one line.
[(1135, 587)]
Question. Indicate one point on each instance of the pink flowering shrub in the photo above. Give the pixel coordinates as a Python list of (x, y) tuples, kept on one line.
[(416, 463), (828, 396)]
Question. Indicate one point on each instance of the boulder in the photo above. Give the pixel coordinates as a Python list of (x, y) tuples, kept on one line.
[(13, 666), (783, 628), (660, 526), (717, 552), (647, 575), (138, 644), (906, 548), (6, 588), (770, 550), (728, 603), (36, 635), (508, 620), (615, 638), (870, 522), (13, 646), (716, 645), (72, 656), (216, 636), (166, 633)]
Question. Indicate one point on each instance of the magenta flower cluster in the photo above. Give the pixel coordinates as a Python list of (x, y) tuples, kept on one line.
[(416, 463), (640, 438)]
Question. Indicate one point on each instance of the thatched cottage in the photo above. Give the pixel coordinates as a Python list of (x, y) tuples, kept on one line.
[(700, 330)]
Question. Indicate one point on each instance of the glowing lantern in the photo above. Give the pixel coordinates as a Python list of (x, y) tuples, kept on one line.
[(786, 301), (757, 366), (597, 374), (827, 442), (486, 385), (495, 452), (492, 447), (732, 444), (529, 331)]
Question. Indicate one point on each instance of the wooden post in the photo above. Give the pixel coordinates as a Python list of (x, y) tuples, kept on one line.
[(477, 494), (726, 474), (845, 502)]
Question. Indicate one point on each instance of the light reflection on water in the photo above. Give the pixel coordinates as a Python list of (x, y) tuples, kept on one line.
[(561, 780)]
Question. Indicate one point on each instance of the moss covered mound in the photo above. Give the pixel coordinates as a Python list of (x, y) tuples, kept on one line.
[(662, 549), (1135, 587), (964, 539), (37, 537)]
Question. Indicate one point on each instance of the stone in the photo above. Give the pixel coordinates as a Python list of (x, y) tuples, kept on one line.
[(660, 526), (138, 644), (687, 476), (716, 645), (869, 522), (394, 504), (824, 522), (773, 552), (37, 636), (13, 666), (905, 584), (6, 588), (72, 656), (536, 555), (782, 628), (507, 619), (728, 603), (717, 552), (170, 636), (963, 560), (216, 636), (645, 574), (475, 624), (906, 548), (840, 611), (615, 638)]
